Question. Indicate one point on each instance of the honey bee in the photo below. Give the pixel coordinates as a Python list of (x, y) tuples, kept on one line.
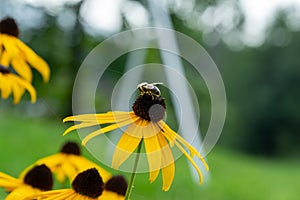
[(149, 88)]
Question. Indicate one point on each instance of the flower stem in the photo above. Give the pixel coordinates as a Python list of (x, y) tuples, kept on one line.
[(130, 185)]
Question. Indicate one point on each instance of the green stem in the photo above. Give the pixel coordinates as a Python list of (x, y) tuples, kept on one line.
[(130, 185)]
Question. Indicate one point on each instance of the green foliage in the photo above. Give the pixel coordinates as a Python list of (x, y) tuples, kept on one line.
[(232, 175)]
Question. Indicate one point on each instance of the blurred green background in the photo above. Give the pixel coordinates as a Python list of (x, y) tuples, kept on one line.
[(257, 156)]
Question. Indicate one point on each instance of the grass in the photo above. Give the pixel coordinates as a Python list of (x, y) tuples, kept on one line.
[(232, 175)]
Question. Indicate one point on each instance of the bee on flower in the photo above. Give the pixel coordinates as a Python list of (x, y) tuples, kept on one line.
[(145, 126)]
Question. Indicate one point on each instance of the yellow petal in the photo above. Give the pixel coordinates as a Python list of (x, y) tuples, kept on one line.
[(83, 164), (191, 160), (168, 168), (126, 145), (22, 68), (104, 118), (107, 129), (9, 183), (79, 126), (168, 134), (5, 58), (9, 44), (21, 192), (150, 130), (18, 92), (75, 196), (108, 195), (69, 169), (5, 176), (6, 86), (192, 150), (26, 85), (34, 60), (47, 194), (153, 151), (53, 160), (51, 195), (41, 66)]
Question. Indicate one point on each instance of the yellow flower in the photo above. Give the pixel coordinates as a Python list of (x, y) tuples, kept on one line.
[(13, 84), (114, 189), (87, 185), (68, 163), (38, 179), (145, 123), (17, 54)]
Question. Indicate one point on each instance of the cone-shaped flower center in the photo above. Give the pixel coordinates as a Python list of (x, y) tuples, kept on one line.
[(71, 148), (4, 70), (88, 183), (117, 184), (149, 107), (39, 177), (9, 26)]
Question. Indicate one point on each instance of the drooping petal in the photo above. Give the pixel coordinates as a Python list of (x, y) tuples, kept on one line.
[(5, 86), (5, 58), (18, 92), (26, 85), (168, 167), (170, 136), (154, 156), (192, 150), (191, 161), (79, 126), (9, 44), (107, 129), (126, 145), (34, 60), (22, 68)]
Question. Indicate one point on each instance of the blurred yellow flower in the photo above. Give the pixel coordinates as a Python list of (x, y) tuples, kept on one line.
[(114, 189), (145, 123), (13, 84), (87, 185), (17, 54), (68, 163), (37, 179)]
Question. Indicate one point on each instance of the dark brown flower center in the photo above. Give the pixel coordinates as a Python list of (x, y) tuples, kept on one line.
[(88, 183), (149, 107), (71, 148), (39, 177), (117, 184), (4, 70), (9, 26)]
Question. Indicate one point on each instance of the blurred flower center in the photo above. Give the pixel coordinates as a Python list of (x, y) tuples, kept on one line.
[(149, 107), (9, 26), (88, 183)]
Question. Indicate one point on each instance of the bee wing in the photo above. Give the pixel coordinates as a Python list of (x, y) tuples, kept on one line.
[(159, 83)]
